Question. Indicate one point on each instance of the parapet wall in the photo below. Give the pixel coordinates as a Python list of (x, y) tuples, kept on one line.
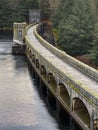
[(93, 73), (19, 31)]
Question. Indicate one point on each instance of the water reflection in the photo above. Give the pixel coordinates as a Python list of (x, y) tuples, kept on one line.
[(20, 105), (6, 35)]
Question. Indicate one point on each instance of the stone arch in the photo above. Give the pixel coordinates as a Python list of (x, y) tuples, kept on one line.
[(33, 58), (37, 63), (52, 81), (81, 110), (96, 124), (43, 71), (64, 94)]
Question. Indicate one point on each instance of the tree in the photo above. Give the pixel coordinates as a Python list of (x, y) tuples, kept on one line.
[(61, 13), (18, 13), (5, 11), (76, 27), (15, 11), (44, 5), (27, 5), (93, 56), (94, 51)]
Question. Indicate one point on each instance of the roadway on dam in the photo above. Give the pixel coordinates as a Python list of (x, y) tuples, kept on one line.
[(86, 82)]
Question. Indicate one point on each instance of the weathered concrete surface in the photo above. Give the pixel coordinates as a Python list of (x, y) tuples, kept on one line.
[(86, 82)]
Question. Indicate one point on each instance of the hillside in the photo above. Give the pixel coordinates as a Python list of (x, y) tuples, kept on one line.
[(75, 24)]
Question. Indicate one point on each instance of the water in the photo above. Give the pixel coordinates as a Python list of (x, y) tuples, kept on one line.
[(21, 107), (6, 35)]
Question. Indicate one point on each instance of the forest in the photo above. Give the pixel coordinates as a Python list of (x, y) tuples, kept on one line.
[(74, 23), (18, 11), (14, 11)]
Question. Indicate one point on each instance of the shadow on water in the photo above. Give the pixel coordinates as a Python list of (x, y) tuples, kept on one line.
[(19, 65), (18, 112), (6, 35), (64, 117), (43, 96), (20, 62)]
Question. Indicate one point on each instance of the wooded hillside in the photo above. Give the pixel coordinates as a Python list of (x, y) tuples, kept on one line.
[(75, 23), (15, 11)]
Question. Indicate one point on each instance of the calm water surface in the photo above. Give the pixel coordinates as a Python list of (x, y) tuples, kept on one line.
[(21, 108)]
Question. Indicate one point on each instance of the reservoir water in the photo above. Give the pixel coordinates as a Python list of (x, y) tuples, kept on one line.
[(21, 107)]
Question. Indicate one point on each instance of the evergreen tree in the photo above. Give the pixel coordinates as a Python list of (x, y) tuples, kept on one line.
[(27, 5), (93, 56), (44, 5), (94, 51), (76, 27), (62, 12), (60, 15), (18, 13), (15, 11), (5, 12)]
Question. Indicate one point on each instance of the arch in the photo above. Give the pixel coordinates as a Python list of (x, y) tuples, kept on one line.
[(96, 124), (43, 71), (81, 110), (33, 58), (52, 81), (64, 94), (37, 63)]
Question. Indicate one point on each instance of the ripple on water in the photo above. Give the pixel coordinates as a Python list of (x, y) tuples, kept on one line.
[(20, 105)]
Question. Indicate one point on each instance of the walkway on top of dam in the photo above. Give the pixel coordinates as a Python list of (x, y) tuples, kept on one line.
[(86, 82)]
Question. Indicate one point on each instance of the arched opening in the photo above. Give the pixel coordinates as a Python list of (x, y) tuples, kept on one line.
[(80, 109), (43, 71), (96, 124), (52, 82), (37, 63), (33, 58), (64, 94)]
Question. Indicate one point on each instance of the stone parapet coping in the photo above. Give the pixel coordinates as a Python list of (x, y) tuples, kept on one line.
[(93, 73)]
